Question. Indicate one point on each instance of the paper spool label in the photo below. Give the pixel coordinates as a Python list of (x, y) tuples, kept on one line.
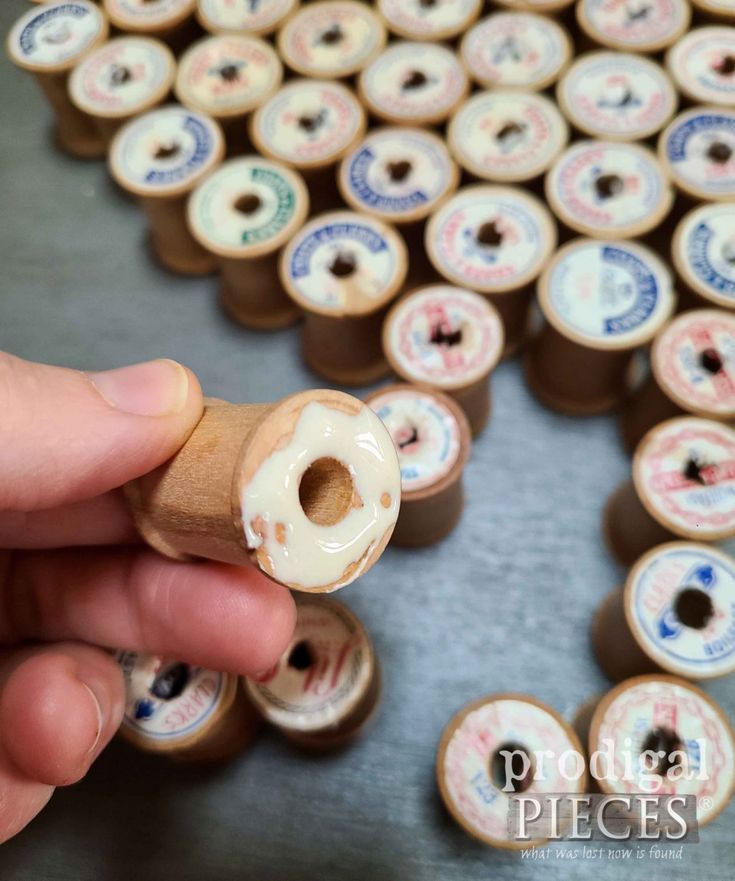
[(150, 13), (122, 76), (508, 136), (227, 75), (309, 123), (672, 707), (603, 188), (703, 65), (255, 16), (694, 362), (653, 593), (699, 147), (344, 263), (331, 39), (612, 94), (684, 473), (414, 82), (273, 197), (445, 336), (639, 25), (614, 295), (515, 49), (165, 700), (397, 173), (165, 150), (705, 252), (419, 20), (490, 238), (465, 764), (323, 675), (55, 34), (425, 433)]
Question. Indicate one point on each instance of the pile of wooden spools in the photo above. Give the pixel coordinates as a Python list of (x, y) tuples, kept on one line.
[(430, 192)]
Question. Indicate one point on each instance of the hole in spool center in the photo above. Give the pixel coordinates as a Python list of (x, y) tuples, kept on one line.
[(662, 740), (725, 66), (326, 491), (407, 436), (711, 361), (332, 35), (301, 656), (344, 264), (399, 171), (427, 4), (311, 123), (608, 185), (693, 471), (519, 764), (510, 130), (637, 13), (167, 151), (248, 203), (229, 73), (693, 607), (416, 79), (719, 152), (489, 234), (171, 682), (119, 75), (442, 336)]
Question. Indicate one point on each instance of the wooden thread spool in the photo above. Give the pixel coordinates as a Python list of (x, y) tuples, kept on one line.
[(675, 614), (306, 489), (257, 19), (613, 26), (244, 214), (716, 10), (228, 76), (703, 252), (491, 737), (516, 50), (449, 339), (683, 486), (432, 22), (171, 21), (701, 64), (506, 136), (616, 96), (310, 125), (692, 371), (494, 240), (601, 301), (543, 7), (183, 711), (120, 79), (48, 42), (646, 715), (400, 175), (160, 157), (344, 269), (412, 83), (697, 151), (432, 437), (332, 39), (326, 687)]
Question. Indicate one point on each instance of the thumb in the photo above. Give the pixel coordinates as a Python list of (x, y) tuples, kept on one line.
[(67, 435)]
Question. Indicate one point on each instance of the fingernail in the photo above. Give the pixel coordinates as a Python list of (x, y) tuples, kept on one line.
[(156, 388), (100, 717)]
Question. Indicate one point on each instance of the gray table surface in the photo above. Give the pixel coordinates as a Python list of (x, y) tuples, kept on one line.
[(503, 604)]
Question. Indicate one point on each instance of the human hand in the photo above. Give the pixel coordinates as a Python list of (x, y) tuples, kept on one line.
[(69, 585)]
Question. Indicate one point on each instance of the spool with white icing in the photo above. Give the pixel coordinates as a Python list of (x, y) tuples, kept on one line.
[(160, 157), (48, 43), (122, 78), (244, 214), (331, 39), (697, 150), (326, 685), (516, 50), (616, 96), (343, 269), (608, 190), (507, 136), (692, 371), (634, 27), (702, 65), (601, 301), (232, 17), (159, 18), (704, 253), (307, 489), (432, 437), (413, 83), (655, 714), (470, 767), (683, 486), (450, 339), (435, 20), (184, 711), (676, 614)]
